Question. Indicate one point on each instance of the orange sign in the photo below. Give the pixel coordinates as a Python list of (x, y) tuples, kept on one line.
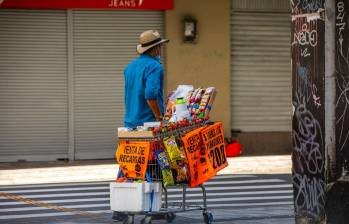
[(133, 158), (200, 167), (213, 138)]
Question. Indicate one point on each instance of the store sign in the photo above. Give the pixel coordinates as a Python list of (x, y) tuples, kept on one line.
[(88, 4), (213, 138), (200, 167), (132, 158)]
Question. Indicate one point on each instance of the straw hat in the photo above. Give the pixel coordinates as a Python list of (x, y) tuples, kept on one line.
[(149, 39)]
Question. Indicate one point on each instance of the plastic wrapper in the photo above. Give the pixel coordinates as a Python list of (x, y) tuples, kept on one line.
[(167, 177), (182, 173), (162, 159), (183, 155), (181, 92), (172, 149)]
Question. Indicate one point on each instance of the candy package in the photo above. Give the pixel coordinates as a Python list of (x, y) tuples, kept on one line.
[(172, 149), (162, 159), (182, 173), (183, 155), (167, 177)]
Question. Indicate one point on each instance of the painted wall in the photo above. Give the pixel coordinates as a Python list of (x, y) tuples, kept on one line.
[(308, 73), (342, 88), (206, 62), (337, 207)]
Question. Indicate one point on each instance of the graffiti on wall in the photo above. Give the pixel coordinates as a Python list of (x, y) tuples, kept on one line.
[(308, 101), (342, 83), (306, 6), (308, 139)]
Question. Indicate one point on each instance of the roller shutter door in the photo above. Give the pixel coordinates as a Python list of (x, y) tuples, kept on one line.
[(33, 85), (104, 42), (260, 66)]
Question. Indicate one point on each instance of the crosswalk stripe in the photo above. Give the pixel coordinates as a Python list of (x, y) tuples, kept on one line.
[(188, 200), (234, 188), (239, 199), (55, 185), (250, 204), (58, 201), (233, 182), (44, 208), (48, 214), (169, 190), (235, 193), (209, 194), (107, 187), (58, 189), (218, 177), (66, 195)]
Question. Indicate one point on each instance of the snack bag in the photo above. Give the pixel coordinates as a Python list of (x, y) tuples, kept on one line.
[(172, 149), (161, 157), (167, 177)]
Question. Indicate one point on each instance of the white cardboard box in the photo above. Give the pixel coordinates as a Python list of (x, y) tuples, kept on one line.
[(135, 197)]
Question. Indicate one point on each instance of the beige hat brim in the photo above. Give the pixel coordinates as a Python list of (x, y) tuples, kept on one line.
[(141, 49)]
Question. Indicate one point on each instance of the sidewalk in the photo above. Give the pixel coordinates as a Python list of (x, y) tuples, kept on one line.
[(106, 170)]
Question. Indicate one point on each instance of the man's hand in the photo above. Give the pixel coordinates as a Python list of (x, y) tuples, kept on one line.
[(153, 104)]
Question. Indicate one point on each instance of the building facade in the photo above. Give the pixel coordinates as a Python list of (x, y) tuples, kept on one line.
[(61, 73)]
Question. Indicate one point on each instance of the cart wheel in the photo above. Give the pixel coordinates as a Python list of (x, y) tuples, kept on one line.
[(129, 220), (120, 217), (170, 217), (146, 220), (208, 217)]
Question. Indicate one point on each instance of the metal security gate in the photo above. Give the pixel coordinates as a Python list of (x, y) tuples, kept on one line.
[(260, 65), (33, 85), (61, 80), (104, 43)]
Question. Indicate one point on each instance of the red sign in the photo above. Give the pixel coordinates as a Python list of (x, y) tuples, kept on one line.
[(88, 4)]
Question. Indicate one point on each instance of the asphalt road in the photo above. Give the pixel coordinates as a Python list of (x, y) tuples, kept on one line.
[(239, 199)]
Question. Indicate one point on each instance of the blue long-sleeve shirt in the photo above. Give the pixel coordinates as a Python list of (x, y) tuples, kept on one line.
[(143, 81)]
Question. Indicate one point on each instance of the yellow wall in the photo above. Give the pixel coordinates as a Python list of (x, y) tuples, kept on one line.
[(207, 62)]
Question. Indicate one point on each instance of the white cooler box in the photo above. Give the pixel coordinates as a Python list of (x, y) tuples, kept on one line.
[(135, 197)]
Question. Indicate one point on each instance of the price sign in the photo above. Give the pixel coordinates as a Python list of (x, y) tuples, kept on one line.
[(200, 167), (213, 138)]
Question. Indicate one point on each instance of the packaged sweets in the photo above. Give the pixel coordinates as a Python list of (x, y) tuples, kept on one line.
[(161, 157), (167, 177), (172, 149), (182, 173), (182, 153), (207, 101)]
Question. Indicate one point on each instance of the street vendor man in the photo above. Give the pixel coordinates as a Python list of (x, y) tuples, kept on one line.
[(144, 80)]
